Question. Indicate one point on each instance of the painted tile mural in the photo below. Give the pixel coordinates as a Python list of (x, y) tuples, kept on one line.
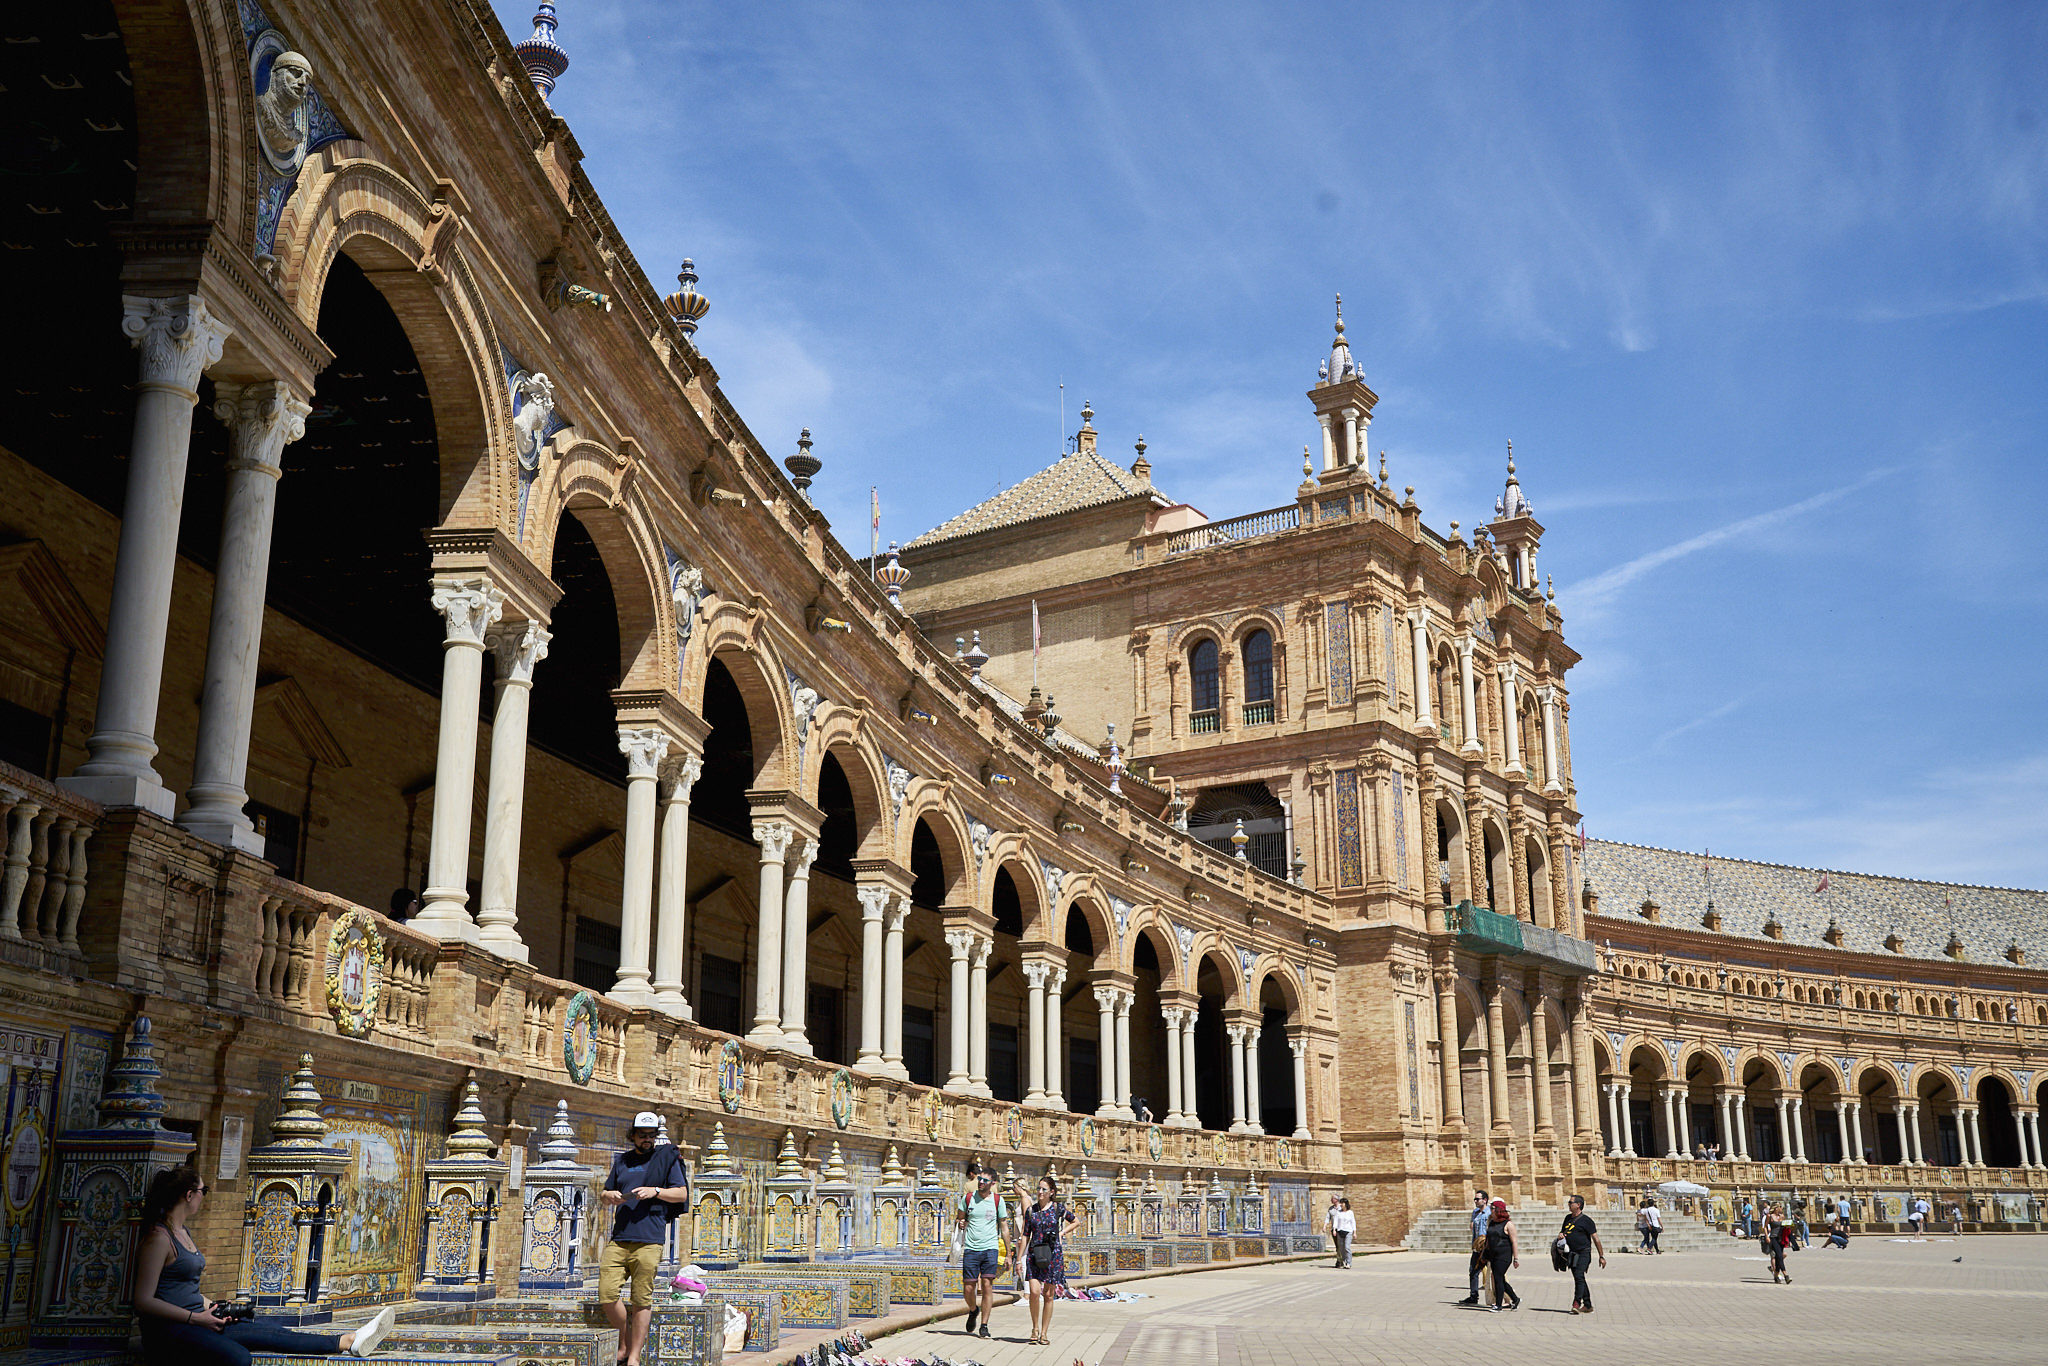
[(1338, 617), (1350, 867), (1393, 656), (1400, 833), (374, 1249), (29, 1061)]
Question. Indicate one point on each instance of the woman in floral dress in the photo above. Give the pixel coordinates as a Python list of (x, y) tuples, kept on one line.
[(1044, 1255)]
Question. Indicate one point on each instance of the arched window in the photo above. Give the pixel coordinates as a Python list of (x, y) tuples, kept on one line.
[(1258, 679), (1204, 685)]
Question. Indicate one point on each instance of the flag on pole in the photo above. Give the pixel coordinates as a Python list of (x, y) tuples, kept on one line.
[(1823, 885), (1582, 837)]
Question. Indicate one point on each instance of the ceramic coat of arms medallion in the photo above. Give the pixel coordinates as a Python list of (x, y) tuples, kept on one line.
[(355, 972), (732, 1076), (579, 1038)]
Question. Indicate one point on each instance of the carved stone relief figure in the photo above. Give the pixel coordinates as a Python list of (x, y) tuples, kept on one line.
[(283, 118)]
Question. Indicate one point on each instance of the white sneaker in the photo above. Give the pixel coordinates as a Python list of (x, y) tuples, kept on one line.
[(373, 1332)]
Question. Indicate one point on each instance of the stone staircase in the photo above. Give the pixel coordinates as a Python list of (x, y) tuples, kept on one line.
[(1450, 1230)]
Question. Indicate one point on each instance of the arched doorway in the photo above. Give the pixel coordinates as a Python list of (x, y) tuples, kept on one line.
[(1081, 1020), (1276, 1060), (1213, 989)]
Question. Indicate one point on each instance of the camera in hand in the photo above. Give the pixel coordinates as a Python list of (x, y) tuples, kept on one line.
[(236, 1311)]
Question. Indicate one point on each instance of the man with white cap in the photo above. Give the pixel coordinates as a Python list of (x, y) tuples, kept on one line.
[(647, 1183)]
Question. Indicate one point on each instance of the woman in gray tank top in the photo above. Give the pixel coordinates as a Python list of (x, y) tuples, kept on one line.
[(180, 1327)]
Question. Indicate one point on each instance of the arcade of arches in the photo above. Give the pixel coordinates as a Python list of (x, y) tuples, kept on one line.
[(624, 786)]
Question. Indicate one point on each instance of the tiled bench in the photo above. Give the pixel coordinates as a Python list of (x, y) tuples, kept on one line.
[(867, 1287), (562, 1344), (806, 1302), (909, 1282)]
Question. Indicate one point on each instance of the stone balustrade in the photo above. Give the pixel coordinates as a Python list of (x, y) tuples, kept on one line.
[(44, 867)]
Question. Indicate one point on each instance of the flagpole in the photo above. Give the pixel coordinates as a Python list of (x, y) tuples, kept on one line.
[(874, 528)]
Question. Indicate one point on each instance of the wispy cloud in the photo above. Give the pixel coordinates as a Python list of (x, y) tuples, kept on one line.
[(1602, 588), (1704, 719)]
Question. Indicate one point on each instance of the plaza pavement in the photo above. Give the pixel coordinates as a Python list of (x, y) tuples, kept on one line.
[(1880, 1300)]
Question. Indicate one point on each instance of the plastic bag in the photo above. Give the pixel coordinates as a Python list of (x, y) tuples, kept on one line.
[(735, 1329)]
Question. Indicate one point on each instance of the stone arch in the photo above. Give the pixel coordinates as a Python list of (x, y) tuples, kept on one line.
[(1275, 968), (837, 736), (1080, 895), (927, 805), (1015, 853), (1536, 887), (1454, 861), (374, 213), (758, 677), (633, 563), (1650, 1057), (1211, 947), (184, 101), (1150, 921), (1708, 1057), (1500, 866)]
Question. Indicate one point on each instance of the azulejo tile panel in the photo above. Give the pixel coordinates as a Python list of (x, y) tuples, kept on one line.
[(805, 1303), (1130, 1259), (1251, 1247), (1162, 1256), (1190, 1254)]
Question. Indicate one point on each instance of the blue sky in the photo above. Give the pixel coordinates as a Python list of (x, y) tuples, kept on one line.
[(1760, 293)]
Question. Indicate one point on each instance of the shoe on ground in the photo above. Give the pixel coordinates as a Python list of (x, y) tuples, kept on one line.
[(374, 1332), (1575, 1309), (984, 1330), (1469, 1299), (1495, 1309), (973, 1317)]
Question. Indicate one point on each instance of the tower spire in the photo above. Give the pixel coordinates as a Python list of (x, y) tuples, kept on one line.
[(543, 57)]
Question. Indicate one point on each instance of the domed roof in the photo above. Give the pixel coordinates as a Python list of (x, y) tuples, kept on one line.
[(1511, 503)]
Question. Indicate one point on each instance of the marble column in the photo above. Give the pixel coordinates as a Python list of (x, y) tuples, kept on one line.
[(1742, 1125), (1190, 1099), (1973, 1143), (977, 1016), (1497, 1050), (1539, 1062), (960, 940), (1798, 1128), (1105, 1050), (1682, 1102), (1552, 782), (1625, 1097), (519, 646), (1668, 1094), (2019, 1124), (1450, 1062), (1034, 1032), (261, 419), (468, 610), (1418, 629), (672, 890), (773, 837), (1613, 1093), (1299, 1047), (1842, 1131), (892, 988), (1784, 1129), (177, 339), (1055, 1038), (1510, 718), (1468, 699), (1721, 1113), (874, 906), (644, 750), (796, 943), (1125, 1000), (1856, 1131), (1913, 1129), (1254, 1109), (1172, 1016), (2034, 1128), (1236, 1035)]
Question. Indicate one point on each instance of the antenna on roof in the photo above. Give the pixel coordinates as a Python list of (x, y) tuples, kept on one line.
[(1063, 417)]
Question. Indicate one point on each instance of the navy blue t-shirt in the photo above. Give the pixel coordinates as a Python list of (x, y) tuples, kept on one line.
[(645, 1221)]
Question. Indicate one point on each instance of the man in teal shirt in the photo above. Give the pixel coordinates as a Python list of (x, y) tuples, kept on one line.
[(984, 1219)]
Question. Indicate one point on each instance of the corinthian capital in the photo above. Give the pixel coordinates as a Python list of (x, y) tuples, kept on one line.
[(805, 855), (177, 337), (874, 901), (644, 751), (469, 609), (773, 837), (961, 941), (682, 775), (519, 645), (1107, 997), (262, 419)]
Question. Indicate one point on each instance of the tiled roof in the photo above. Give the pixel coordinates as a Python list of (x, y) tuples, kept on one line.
[(1080, 480), (1868, 908)]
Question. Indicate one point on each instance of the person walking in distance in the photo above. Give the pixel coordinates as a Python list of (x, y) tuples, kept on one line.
[(983, 1219), (1044, 1256), (1581, 1240), (1653, 1224), (1343, 1224), (1777, 1240), (1479, 1217), (1503, 1250), (647, 1183)]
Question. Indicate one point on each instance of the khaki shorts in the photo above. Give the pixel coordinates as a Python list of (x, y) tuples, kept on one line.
[(640, 1259)]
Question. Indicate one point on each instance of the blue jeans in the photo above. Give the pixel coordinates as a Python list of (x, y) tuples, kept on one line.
[(165, 1343), (977, 1266)]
